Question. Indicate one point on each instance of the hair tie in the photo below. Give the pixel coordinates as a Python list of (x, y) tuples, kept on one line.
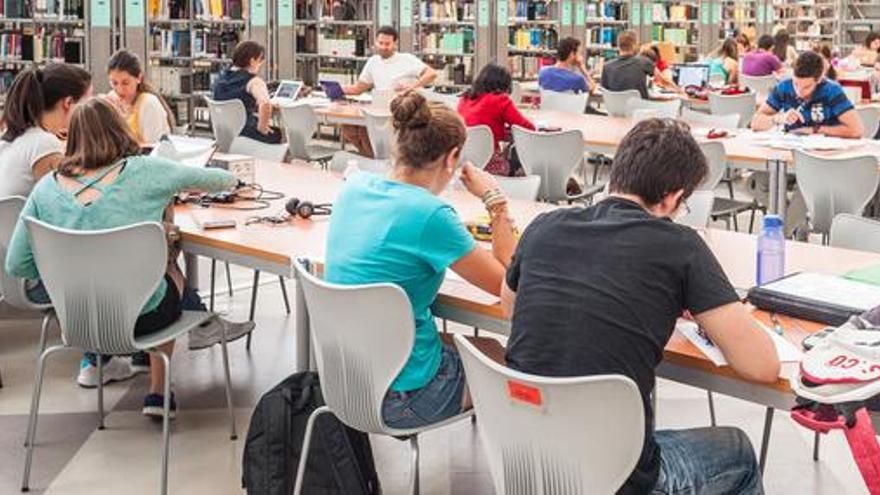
[(39, 74)]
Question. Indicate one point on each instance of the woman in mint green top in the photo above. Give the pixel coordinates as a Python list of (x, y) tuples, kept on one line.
[(103, 183), (396, 229), (724, 63)]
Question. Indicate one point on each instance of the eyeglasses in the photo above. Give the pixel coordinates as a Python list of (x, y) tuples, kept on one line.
[(683, 209)]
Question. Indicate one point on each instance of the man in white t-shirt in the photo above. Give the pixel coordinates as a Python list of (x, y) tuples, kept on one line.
[(387, 71)]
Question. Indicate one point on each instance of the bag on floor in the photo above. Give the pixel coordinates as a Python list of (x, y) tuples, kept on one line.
[(340, 459)]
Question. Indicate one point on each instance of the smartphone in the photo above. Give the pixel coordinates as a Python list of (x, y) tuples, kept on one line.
[(811, 341)]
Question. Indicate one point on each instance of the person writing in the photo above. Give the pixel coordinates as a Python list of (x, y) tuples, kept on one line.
[(724, 64), (142, 107), (569, 74), (598, 290), (422, 237)]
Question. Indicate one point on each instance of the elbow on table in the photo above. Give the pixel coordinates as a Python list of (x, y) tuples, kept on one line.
[(767, 372)]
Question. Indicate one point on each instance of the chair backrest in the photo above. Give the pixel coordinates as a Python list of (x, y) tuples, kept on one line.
[(516, 92), (522, 188), (479, 146), (665, 109), (743, 105), (762, 85), (12, 289), (380, 132), (855, 232), (702, 119), (870, 121), (342, 158), (264, 151), (564, 102), (700, 209), (450, 100), (361, 350), (716, 159), (565, 436), (300, 124), (616, 101), (227, 120), (99, 280), (834, 185), (551, 155)]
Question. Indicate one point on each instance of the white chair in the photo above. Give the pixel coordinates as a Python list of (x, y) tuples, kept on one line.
[(553, 156), (668, 109), (564, 102), (761, 85), (227, 120), (341, 160), (616, 101), (263, 151), (699, 210), (743, 105), (870, 121), (855, 232), (99, 281), (380, 132), (565, 436), (359, 352), (831, 186), (478, 147), (522, 188), (300, 125), (450, 100), (516, 93), (708, 120)]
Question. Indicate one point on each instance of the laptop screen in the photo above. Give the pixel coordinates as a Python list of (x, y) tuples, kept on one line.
[(288, 89), (333, 90), (690, 75)]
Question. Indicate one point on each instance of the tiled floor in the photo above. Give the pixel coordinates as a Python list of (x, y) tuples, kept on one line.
[(73, 458)]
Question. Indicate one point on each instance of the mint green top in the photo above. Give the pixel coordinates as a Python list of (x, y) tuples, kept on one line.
[(144, 187)]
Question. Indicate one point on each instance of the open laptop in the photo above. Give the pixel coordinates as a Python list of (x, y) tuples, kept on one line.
[(690, 75), (333, 90), (287, 92)]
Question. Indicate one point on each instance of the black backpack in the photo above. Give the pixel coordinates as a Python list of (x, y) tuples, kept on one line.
[(340, 459)]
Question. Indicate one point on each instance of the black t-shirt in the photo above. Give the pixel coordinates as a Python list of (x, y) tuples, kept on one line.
[(626, 73), (598, 291)]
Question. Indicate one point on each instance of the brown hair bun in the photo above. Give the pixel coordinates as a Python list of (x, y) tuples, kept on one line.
[(410, 111)]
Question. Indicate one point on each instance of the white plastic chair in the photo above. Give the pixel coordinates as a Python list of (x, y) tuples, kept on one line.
[(516, 93), (300, 125), (565, 436), (761, 85), (831, 186), (564, 102), (668, 109), (99, 281), (707, 120), (380, 132), (743, 105), (478, 147), (699, 210), (359, 352), (341, 160), (553, 156), (870, 121), (855, 232), (227, 120), (522, 188), (242, 145), (616, 101), (450, 100)]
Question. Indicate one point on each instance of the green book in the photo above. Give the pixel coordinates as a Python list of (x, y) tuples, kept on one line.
[(868, 275)]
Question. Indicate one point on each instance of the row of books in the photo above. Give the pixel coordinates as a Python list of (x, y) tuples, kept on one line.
[(181, 81), (6, 78), (608, 10), (42, 46), (458, 73), (341, 46), (533, 39), (603, 36), (530, 9), (166, 43), (454, 42), (662, 12), (54, 8), (676, 36), (447, 10), (202, 9), (527, 67)]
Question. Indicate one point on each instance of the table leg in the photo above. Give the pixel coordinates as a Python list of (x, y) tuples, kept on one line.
[(191, 269), (765, 438), (778, 190)]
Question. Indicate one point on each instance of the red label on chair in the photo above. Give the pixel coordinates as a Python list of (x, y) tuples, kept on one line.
[(524, 393)]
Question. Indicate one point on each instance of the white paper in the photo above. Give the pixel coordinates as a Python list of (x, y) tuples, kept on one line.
[(829, 289), (194, 152), (785, 350), (478, 296), (790, 141)]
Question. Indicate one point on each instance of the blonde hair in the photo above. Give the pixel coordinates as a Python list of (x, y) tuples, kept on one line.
[(425, 130), (97, 137)]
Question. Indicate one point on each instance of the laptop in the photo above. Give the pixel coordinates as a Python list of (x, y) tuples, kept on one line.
[(287, 92), (333, 90), (690, 75)]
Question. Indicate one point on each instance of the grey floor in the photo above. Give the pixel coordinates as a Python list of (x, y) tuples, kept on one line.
[(73, 458)]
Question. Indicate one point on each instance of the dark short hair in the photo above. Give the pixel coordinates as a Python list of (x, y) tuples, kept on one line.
[(566, 47), (658, 157), (493, 78), (766, 42), (246, 51), (387, 31), (871, 37), (809, 64)]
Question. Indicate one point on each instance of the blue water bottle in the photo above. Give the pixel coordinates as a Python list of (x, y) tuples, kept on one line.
[(771, 250)]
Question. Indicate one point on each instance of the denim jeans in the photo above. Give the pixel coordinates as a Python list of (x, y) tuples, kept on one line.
[(707, 461)]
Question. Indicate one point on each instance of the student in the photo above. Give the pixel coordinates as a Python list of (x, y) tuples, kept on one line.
[(37, 110), (569, 74), (762, 62), (662, 75), (241, 82), (724, 63), (95, 185), (743, 44), (142, 107), (488, 102), (422, 237), (387, 70), (825, 51), (628, 71), (866, 53), (597, 291), (782, 48)]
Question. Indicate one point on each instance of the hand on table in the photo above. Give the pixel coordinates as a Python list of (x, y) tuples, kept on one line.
[(793, 116), (476, 181)]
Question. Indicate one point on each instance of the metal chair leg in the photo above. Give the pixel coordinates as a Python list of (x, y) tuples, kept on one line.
[(816, 439), (253, 306), (229, 407), (476, 332), (284, 293), (414, 448), (166, 413), (765, 438), (711, 407), (304, 457), (211, 296), (32, 420), (228, 280), (44, 331), (100, 361)]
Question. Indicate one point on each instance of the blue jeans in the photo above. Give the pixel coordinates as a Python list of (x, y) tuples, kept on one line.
[(438, 400), (707, 461)]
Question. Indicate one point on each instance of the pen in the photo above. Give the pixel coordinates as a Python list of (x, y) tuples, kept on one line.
[(777, 327)]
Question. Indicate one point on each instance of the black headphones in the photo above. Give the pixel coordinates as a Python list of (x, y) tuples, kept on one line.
[(306, 209)]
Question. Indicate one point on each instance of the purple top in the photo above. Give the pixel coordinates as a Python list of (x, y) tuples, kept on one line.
[(760, 63)]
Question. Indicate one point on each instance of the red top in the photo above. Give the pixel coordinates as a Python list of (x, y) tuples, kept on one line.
[(495, 110), (661, 65)]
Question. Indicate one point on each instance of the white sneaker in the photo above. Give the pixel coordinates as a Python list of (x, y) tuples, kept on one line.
[(209, 332), (116, 369)]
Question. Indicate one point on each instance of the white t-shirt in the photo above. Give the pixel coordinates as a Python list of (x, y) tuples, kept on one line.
[(152, 119), (18, 158), (384, 73)]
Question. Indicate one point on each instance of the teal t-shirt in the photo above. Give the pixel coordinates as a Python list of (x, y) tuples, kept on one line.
[(387, 231)]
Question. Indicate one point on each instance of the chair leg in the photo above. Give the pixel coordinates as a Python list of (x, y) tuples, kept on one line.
[(284, 293), (228, 280), (211, 296), (765, 438), (166, 413), (816, 439), (735, 222), (253, 306), (229, 407), (100, 360), (32, 420), (730, 187), (44, 330), (711, 407), (304, 457), (596, 171), (476, 332), (414, 473), (752, 221)]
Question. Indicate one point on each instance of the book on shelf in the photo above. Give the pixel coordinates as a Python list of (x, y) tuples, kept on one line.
[(602, 36), (447, 10), (533, 38), (527, 67), (171, 43), (219, 9), (453, 42), (607, 10), (530, 10), (458, 73)]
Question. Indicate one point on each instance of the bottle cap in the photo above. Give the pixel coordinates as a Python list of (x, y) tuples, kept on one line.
[(773, 222)]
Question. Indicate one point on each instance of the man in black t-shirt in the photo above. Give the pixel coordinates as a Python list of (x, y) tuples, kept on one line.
[(628, 71), (598, 291)]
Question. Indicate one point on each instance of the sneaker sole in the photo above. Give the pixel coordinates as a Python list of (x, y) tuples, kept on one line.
[(157, 413), (229, 340), (109, 381)]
